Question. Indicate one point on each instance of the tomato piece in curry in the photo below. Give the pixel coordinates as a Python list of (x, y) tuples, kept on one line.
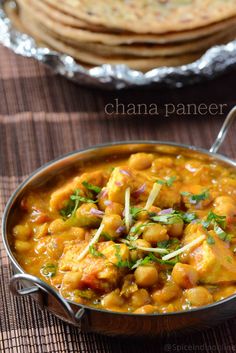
[(149, 233)]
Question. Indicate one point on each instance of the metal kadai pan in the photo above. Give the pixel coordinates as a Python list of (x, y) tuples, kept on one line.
[(98, 320)]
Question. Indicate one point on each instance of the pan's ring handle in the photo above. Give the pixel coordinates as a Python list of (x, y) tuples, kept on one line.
[(39, 285), (224, 130)]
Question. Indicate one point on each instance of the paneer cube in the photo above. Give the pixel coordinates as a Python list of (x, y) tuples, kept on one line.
[(60, 197), (115, 253), (101, 272), (121, 178), (215, 262), (143, 184)]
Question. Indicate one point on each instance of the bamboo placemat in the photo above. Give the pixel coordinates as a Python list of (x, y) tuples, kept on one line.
[(43, 116)]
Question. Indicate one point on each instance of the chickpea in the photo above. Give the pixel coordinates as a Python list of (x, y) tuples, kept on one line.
[(57, 226), (112, 300), (168, 197), (84, 216), (140, 298), (142, 243), (22, 246), (72, 280), (224, 292), (140, 161), (154, 209), (162, 162), (225, 206), (142, 215), (146, 276), (169, 292), (176, 229), (41, 231), (22, 232), (54, 247), (111, 224), (155, 233), (114, 208), (146, 309), (193, 166), (198, 296), (78, 232), (223, 200), (170, 308), (137, 253), (184, 275)]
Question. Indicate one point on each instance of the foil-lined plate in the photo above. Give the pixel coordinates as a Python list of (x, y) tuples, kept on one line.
[(215, 61)]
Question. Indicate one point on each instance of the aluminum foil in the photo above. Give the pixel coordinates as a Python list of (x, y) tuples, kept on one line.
[(216, 60)]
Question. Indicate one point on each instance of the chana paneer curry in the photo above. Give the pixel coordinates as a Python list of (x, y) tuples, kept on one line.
[(145, 233)]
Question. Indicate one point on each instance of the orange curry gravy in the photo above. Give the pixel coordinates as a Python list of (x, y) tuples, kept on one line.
[(144, 234)]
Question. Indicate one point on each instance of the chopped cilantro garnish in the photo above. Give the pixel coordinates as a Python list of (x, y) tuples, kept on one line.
[(134, 211), (152, 258), (49, 270), (86, 293), (91, 187), (71, 207), (82, 199), (106, 236), (67, 211), (73, 204), (196, 198), (76, 201), (213, 217), (166, 244), (174, 217), (135, 231), (167, 262), (93, 251), (229, 259), (220, 232), (188, 217), (168, 182), (210, 240), (163, 244), (219, 224), (170, 218), (120, 262), (142, 262), (163, 262)]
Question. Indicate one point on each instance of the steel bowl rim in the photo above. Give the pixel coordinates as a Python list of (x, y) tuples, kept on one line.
[(20, 187)]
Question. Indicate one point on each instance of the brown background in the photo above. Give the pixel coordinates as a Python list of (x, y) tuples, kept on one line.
[(43, 116)]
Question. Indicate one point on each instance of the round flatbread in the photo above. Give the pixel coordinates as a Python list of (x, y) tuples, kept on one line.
[(78, 36), (149, 16), (124, 38), (151, 50), (60, 31), (144, 64), (64, 18)]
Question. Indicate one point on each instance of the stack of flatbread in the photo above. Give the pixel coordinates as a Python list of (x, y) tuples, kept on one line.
[(143, 34)]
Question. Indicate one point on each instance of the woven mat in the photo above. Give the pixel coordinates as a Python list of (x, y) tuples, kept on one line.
[(43, 116)]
